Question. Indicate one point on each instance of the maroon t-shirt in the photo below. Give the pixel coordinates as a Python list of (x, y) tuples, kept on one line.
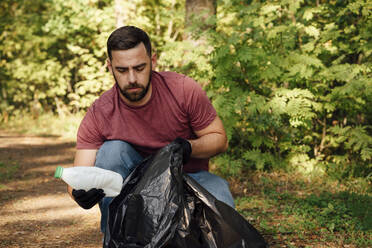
[(178, 106)]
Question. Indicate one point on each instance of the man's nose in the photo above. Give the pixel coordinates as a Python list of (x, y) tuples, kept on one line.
[(132, 76)]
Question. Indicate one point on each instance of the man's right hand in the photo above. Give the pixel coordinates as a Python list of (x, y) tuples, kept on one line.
[(87, 199)]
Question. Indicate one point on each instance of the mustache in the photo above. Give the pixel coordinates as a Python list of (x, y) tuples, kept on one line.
[(133, 86)]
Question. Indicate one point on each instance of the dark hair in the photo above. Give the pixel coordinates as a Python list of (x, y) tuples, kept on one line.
[(127, 37)]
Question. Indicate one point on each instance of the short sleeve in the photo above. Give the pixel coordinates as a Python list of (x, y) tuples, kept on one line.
[(89, 136), (200, 110)]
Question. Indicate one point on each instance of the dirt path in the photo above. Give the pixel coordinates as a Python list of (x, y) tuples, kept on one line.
[(35, 210)]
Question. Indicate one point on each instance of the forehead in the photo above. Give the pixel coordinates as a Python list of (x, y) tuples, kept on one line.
[(131, 57)]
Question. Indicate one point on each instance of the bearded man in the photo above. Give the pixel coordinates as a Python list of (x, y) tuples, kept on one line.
[(144, 111)]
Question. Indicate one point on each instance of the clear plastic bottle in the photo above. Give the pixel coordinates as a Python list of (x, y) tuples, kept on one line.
[(88, 177)]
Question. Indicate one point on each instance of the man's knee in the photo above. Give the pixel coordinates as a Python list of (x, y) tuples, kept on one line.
[(216, 185), (118, 156), (221, 182), (222, 191)]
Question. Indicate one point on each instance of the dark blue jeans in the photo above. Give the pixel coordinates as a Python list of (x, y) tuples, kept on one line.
[(121, 157)]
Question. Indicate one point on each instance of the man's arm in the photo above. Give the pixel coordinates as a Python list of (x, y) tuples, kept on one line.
[(211, 140), (83, 157)]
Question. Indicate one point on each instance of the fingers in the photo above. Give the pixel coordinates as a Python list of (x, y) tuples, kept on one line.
[(87, 199)]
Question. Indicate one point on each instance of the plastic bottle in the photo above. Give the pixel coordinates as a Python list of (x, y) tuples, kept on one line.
[(88, 177)]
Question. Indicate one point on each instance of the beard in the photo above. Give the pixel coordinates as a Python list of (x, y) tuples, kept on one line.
[(134, 96)]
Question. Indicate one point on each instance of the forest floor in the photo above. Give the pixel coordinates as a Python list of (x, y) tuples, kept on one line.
[(36, 211)]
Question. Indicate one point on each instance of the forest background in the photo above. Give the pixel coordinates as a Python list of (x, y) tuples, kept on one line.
[(291, 80)]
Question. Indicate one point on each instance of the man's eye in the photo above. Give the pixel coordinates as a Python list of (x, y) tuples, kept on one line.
[(140, 68), (121, 70)]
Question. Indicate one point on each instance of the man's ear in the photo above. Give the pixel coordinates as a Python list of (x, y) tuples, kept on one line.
[(153, 60), (109, 65)]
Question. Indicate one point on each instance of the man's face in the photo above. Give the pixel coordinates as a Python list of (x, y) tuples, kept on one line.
[(132, 73)]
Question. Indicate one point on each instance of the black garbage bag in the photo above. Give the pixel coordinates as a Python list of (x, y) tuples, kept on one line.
[(160, 206)]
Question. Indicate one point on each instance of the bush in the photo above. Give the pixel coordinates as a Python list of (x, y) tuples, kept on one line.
[(292, 85)]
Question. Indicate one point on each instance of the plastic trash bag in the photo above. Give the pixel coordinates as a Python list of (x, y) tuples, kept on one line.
[(160, 206)]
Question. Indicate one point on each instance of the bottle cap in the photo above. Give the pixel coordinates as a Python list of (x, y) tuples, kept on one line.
[(59, 171)]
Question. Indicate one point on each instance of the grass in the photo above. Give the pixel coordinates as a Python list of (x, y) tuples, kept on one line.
[(45, 125), (7, 171), (297, 211)]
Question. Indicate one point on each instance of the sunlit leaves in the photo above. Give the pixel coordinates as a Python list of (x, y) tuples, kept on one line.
[(296, 103), (60, 51), (303, 68), (291, 79), (312, 31)]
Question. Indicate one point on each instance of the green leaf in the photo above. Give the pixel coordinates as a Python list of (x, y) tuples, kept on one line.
[(312, 31)]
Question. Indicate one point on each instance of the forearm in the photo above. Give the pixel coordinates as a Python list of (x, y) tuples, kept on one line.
[(83, 158), (209, 145), (69, 191)]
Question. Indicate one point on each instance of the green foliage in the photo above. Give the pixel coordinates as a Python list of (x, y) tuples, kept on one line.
[(292, 84), (290, 79), (54, 54), (302, 212), (184, 57)]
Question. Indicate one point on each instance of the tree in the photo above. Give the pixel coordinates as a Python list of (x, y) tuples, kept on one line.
[(124, 11), (198, 12), (292, 84), (54, 53)]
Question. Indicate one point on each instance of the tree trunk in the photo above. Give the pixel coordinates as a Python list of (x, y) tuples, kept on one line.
[(123, 10), (119, 12), (197, 12)]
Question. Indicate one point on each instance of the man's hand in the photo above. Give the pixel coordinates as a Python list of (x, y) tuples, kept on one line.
[(87, 199), (186, 148)]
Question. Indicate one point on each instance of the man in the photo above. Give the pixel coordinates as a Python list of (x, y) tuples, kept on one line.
[(144, 111)]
